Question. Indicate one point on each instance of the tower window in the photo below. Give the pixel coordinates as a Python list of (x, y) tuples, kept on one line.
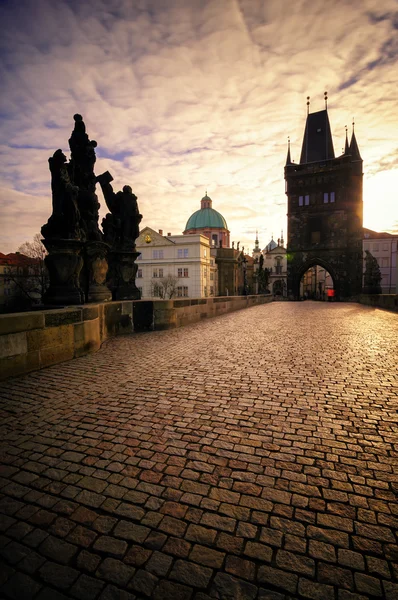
[(301, 198), (307, 200), (325, 197), (331, 196)]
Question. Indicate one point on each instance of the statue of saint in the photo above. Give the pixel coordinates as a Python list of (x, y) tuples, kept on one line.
[(121, 226), (82, 173), (64, 221)]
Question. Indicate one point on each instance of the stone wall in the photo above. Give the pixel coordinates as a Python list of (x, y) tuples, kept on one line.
[(387, 301), (33, 340)]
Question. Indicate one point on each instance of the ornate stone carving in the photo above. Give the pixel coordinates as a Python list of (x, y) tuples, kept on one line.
[(64, 263), (95, 272), (122, 274)]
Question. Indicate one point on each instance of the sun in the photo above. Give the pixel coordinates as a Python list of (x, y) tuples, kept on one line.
[(380, 201)]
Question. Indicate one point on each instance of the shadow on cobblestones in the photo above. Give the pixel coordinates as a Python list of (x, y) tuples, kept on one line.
[(252, 456)]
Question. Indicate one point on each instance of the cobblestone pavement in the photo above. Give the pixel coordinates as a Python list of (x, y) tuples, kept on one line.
[(252, 456)]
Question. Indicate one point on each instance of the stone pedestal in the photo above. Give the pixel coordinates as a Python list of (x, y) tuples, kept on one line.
[(95, 272), (123, 271), (64, 263)]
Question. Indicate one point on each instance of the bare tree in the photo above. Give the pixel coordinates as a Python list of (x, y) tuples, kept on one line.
[(34, 249), (165, 287), (28, 275)]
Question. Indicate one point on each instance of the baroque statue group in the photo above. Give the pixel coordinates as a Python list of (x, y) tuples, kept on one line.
[(86, 264)]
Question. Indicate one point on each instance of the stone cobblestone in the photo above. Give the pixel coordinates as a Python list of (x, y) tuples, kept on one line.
[(250, 457)]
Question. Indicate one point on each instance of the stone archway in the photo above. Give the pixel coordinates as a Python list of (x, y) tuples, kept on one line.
[(317, 262)]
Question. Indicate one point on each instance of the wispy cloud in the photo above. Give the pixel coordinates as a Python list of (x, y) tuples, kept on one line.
[(183, 96)]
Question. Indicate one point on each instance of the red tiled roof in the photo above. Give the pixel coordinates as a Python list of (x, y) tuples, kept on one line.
[(17, 259)]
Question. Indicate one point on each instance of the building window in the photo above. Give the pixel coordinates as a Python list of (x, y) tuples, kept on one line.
[(205, 290), (157, 253), (376, 247), (155, 273), (160, 272), (182, 253), (211, 276), (211, 290), (332, 197), (325, 197), (211, 262), (139, 289), (179, 272), (315, 237), (182, 291), (214, 239), (179, 253), (301, 200), (139, 273), (205, 252), (185, 272), (385, 262), (385, 246), (205, 272), (306, 200), (139, 257)]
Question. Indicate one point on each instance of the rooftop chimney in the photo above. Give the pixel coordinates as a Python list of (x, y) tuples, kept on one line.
[(160, 231), (169, 234)]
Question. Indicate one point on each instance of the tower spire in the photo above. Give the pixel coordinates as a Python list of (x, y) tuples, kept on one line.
[(325, 95), (288, 159), (347, 147), (354, 150), (308, 105), (317, 140)]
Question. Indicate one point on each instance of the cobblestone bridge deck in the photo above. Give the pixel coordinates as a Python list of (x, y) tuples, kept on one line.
[(252, 456)]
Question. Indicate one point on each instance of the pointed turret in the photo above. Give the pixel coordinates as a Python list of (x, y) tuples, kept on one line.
[(288, 159), (317, 141), (354, 150), (347, 147)]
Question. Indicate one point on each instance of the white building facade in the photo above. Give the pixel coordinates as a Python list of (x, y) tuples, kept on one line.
[(175, 266), (383, 246)]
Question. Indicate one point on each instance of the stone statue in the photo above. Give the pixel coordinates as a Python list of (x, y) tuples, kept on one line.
[(82, 173), (65, 218), (121, 226)]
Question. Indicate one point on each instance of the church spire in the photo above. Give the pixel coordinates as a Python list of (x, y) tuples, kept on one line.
[(256, 245), (354, 150)]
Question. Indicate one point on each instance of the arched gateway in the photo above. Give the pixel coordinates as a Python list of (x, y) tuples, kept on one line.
[(325, 209)]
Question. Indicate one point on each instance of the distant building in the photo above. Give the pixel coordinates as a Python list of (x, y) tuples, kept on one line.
[(176, 266), (276, 262), (383, 246), (20, 281), (207, 221)]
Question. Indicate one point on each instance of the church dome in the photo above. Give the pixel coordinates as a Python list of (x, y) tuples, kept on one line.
[(270, 246), (206, 217)]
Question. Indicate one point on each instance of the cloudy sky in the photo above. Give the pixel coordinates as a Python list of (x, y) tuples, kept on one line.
[(188, 95)]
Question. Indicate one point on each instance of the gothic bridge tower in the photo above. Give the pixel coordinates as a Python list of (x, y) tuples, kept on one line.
[(325, 209)]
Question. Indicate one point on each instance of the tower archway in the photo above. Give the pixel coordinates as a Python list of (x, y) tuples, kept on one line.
[(315, 280)]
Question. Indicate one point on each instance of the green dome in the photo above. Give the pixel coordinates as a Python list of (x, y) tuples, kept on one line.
[(206, 217)]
